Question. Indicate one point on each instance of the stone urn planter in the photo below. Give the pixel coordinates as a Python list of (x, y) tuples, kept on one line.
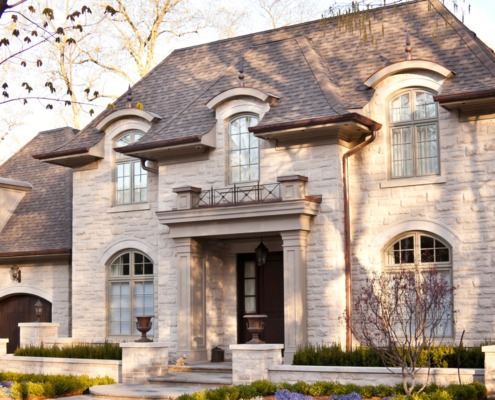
[(143, 325), (255, 326)]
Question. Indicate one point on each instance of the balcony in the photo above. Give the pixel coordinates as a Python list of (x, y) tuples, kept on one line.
[(239, 194), (242, 209)]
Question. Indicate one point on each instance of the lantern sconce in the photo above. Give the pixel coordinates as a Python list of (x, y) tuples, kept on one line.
[(15, 273), (261, 253), (38, 310)]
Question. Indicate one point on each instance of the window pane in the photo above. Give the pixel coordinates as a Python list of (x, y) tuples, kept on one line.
[(131, 179), (249, 305), (244, 150), (425, 106), (402, 157), (250, 287), (249, 269), (132, 297), (119, 308), (400, 108), (427, 149)]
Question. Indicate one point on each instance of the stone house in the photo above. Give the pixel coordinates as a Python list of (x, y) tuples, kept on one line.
[(339, 145), (35, 238)]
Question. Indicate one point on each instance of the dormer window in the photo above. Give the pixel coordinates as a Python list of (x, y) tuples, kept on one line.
[(131, 179), (414, 135), (244, 154)]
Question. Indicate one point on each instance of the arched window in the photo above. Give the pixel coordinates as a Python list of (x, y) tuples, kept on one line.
[(130, 291), (422, 252), (414, 134), (131, 179), (244, 155)]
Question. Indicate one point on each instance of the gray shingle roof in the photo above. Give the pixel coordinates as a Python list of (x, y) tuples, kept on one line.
[(42, 221), (317, 69)]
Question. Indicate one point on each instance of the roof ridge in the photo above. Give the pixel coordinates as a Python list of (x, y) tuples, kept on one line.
[(318, 67), (473, 43)]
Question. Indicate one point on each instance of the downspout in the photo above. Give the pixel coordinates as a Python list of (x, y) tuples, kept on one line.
[(146, 168), (347, 238)]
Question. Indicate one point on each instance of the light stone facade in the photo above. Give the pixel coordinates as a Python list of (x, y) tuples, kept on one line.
[(49, 280), (456, 206)]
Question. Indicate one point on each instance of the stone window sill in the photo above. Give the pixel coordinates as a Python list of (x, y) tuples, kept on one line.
[(414, 181), (129, 207)]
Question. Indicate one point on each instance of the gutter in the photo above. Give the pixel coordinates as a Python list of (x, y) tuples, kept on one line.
[(347, 238)]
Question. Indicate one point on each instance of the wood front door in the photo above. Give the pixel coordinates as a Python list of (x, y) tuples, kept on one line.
[(261, 291), (20, 308)]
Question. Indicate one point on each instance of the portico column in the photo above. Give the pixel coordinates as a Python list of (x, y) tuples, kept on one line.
[(295, 314), (191, 300)]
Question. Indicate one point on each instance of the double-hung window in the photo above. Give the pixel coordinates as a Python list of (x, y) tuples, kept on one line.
[(431, 258), (130, 291), (244, 155), (131, 179), (414, 134)]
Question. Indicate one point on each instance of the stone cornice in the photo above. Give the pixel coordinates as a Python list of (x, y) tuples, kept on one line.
[(240, 219)]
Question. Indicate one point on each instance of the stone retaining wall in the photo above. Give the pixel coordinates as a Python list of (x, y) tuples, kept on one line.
[(369, 375), (64, 366)]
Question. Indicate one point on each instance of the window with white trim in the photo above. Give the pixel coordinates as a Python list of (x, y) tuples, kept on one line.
[(131, 179), (244, 150), (130, 292), (419, 251), (414, 138)]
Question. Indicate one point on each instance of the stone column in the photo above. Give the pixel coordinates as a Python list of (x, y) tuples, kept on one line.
[(250, 362), (489, 370), (293, 187), (191, 300), (3, 346), (143, 360), (187, 197), (295, 301), (35, 333)]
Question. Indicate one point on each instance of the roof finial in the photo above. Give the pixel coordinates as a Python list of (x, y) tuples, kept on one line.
[(129, 97), (241, 73), (408, 48)]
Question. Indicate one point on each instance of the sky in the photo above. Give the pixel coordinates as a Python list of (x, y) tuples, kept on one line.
[(480, 19)]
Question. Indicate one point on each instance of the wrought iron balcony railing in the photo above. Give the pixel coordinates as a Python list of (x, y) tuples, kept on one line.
[(239, 194)]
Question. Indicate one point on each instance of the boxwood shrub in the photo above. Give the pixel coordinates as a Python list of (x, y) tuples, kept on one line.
[(103, 351), (21, 386), (447, 356)]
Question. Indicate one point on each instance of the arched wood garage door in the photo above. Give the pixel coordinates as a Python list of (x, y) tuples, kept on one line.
[(20, 308)]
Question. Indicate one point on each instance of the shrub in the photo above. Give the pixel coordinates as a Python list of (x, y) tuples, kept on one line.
[(25, 385), (103, 351), (337, 391), (445, 356)]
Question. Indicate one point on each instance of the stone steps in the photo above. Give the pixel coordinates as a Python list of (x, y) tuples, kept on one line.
[(210, 374), (178, 380)]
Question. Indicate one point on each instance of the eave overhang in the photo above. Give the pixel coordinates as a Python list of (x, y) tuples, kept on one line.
[(35, 256), (241, 219), (72, 158), (480, 101), (167, 149), (347, 127)]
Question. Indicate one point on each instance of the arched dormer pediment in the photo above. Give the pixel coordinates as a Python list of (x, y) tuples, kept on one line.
[(404, 66), (240, 92), (125, 114)]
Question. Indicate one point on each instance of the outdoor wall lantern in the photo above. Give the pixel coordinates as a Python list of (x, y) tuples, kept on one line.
[(38, 309), (261, 252), (15, 273)]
